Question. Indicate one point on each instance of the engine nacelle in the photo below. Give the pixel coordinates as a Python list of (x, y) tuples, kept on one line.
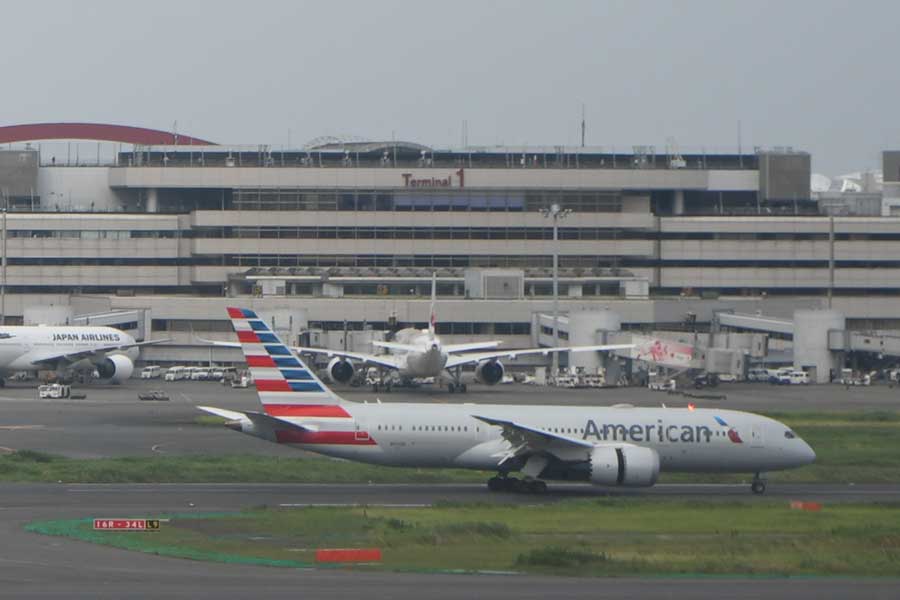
[(489, 372), (631, 466), (340, 370), (116, 367)]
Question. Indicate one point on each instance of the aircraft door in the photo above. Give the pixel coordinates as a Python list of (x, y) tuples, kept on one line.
[(756, 436)]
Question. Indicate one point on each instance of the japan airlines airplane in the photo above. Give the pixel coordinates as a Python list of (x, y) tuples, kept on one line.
[(608, 446), (65, 348), (420, 354)]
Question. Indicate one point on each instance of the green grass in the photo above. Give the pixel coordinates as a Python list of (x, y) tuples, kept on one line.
[(610, 536), (852, 447)]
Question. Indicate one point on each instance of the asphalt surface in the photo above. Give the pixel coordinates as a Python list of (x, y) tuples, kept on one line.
[(111, 421), (34, 566)]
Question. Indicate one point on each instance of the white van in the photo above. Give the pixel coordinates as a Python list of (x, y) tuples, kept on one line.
[(799, 377), (758, 374), (150, 372), (781, 376), (175, 374), (199, 373)]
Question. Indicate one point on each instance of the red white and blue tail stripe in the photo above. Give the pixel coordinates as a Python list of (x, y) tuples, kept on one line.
[(286, 386)]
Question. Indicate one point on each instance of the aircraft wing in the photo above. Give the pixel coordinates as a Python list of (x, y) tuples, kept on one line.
[(391, 362), (477, 357), (525, 441), (72, 357), (451, 348), (385, 360)]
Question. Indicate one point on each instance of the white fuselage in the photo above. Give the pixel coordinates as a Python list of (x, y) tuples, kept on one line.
[(23, 348), (427, 435), (429, 358)]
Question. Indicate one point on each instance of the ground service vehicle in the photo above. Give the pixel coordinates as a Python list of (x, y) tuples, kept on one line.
[(150, 372), (54, 390), (176, 373)]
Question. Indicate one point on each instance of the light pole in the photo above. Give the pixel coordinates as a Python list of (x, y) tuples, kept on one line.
[(3, 269), (556, 213)]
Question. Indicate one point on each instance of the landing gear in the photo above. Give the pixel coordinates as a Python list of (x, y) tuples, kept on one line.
[(456, 385), (502, 483), (759, 484)]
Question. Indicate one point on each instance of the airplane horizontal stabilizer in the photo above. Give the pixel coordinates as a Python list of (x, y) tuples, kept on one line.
[(258, 418), (396, 346)]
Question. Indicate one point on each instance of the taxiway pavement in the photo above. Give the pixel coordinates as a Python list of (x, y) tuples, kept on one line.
[(35, 566)]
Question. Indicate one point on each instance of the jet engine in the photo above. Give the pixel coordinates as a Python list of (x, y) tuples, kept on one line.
[(340, 370), (116, 367), (631, 466), (489, 372)]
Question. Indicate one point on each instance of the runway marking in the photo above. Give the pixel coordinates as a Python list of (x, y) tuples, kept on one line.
[(18, 427)]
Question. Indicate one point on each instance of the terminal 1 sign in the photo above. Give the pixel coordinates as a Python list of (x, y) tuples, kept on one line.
[(454, 179)]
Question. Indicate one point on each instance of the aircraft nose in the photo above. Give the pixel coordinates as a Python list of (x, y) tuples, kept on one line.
[(806, 454)]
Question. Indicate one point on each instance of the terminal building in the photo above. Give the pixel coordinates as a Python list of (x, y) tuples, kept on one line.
[(339, 239)]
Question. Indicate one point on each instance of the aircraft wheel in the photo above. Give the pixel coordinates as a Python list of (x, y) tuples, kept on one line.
[(462, 388), (375, 387), (496, 484), (451, 387), (758, 486), (2, 382)]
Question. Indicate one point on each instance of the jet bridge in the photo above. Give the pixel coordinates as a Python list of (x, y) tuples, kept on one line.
[(757, 322), (841, 340)]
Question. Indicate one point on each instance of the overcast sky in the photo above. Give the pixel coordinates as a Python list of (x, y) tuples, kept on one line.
[(820, 75)]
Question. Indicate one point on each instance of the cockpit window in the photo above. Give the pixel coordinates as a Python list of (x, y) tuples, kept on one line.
[(789, 434)]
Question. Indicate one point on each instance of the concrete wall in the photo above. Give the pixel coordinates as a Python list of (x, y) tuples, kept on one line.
[(76, 189), (811, 351), (389, 178), (18, 172)]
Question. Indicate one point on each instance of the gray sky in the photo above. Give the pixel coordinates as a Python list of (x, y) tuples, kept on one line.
[(820, 75)]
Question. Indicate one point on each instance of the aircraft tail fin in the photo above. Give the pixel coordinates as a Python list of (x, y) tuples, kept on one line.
[(432, 317), (285, 385)]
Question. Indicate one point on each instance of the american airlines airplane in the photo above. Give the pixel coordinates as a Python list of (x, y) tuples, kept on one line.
[(420, 354), (66, 348), (608, 446)]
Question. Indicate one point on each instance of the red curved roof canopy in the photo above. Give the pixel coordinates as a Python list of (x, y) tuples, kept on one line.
[(96, 131)]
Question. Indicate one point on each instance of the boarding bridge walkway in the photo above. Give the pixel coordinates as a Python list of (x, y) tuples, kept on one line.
[(756, 322), (859, 341)]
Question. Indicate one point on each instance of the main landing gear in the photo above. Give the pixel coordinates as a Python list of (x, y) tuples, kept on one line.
[(518, 486), (456, 385), (759, 484)]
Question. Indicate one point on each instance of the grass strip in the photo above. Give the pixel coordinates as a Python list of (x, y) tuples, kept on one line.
[(601, 537)]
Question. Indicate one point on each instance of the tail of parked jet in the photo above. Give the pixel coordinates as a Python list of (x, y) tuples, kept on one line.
[(286, 386), (432, 317)]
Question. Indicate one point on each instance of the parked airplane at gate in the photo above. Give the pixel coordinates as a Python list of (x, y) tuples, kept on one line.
[(65, 348), (609, 446), (420, 354)]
